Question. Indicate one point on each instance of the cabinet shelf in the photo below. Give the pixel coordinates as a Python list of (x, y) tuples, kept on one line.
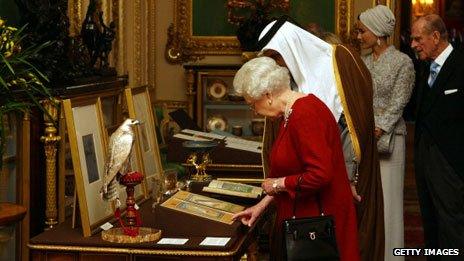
[(226, 113), (226, 102), (226, 106)]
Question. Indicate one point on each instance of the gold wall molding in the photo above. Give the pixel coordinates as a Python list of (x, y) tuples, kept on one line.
[(182, 46), (343, 18), (140, 42), (75, 16), (152, 44), (137, 75)]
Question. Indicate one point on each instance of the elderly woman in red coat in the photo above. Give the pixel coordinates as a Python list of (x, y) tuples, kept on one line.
[(308, 145)]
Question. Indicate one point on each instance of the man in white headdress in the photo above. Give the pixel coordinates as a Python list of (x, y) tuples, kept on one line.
[(340, 79)]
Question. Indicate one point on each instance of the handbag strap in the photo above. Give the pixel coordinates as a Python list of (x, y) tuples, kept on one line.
[(297, 195)]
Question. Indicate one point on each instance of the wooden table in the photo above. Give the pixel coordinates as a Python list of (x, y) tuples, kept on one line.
[(65, 243), (10, 213)]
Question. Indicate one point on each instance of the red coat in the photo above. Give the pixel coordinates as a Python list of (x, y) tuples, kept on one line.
[(310, 145)]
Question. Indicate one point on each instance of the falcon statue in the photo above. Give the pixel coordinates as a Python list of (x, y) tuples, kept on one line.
[(118, 161)]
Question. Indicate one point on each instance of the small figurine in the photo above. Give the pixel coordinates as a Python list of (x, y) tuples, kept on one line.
[(97, 36), (106, 43), (91, 32)]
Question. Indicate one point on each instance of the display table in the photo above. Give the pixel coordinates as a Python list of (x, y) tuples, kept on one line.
[(66, 243)]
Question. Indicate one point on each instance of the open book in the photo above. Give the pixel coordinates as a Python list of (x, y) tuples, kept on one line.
[(230, 142), (202, 206), (233, 189)]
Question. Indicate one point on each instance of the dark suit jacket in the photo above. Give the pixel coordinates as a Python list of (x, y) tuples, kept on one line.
[(442, 115)]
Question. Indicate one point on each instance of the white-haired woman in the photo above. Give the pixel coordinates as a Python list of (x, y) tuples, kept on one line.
[(393, 81), (308, 146)]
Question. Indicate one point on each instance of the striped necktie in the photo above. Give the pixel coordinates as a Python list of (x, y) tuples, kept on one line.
[(433, 73)]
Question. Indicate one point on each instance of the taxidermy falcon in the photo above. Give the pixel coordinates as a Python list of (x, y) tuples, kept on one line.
[(118, 160)]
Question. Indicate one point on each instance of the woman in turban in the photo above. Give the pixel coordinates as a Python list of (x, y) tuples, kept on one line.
[(393, 80)]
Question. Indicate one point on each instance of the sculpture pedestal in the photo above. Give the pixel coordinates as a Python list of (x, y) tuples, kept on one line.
[(130, 230), (145, 234)]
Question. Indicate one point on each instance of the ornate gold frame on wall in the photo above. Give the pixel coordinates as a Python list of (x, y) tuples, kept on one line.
[(182, 46)]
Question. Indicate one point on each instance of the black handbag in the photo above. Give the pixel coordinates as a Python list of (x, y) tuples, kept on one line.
[(309, 238)]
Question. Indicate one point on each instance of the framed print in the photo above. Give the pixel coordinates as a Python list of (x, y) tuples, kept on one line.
[(86, 133), (139, 107)]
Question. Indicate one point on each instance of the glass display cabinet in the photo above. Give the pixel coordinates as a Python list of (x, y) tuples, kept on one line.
[(215, 106)]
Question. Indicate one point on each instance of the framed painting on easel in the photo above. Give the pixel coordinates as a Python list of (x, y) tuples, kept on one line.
[(86, 134)]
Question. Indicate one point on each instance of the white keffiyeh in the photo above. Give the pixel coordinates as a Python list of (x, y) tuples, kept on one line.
[(309, 60)]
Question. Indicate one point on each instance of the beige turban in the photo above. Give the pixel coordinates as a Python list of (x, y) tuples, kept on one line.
[(380, 20)]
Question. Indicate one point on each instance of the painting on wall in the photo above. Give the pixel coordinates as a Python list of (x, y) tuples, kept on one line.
[(202, 27), (303, 11)]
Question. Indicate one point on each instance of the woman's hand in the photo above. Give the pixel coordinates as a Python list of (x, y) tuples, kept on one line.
[(356, 196), (378, 132), (273, 186), (249, 215)]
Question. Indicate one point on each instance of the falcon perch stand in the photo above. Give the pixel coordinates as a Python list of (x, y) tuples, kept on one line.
[(130, 231)]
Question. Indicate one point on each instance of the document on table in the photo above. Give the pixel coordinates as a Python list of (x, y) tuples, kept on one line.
[(215, 241), (172, 241)]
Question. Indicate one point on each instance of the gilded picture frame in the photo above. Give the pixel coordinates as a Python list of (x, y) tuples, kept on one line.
[(139, 107), (86, 133), (183, 45)]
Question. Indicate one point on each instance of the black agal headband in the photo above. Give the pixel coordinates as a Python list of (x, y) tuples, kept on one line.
[(275, 27)]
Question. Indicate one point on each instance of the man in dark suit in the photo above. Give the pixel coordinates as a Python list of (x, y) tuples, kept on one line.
[(439, 136)]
